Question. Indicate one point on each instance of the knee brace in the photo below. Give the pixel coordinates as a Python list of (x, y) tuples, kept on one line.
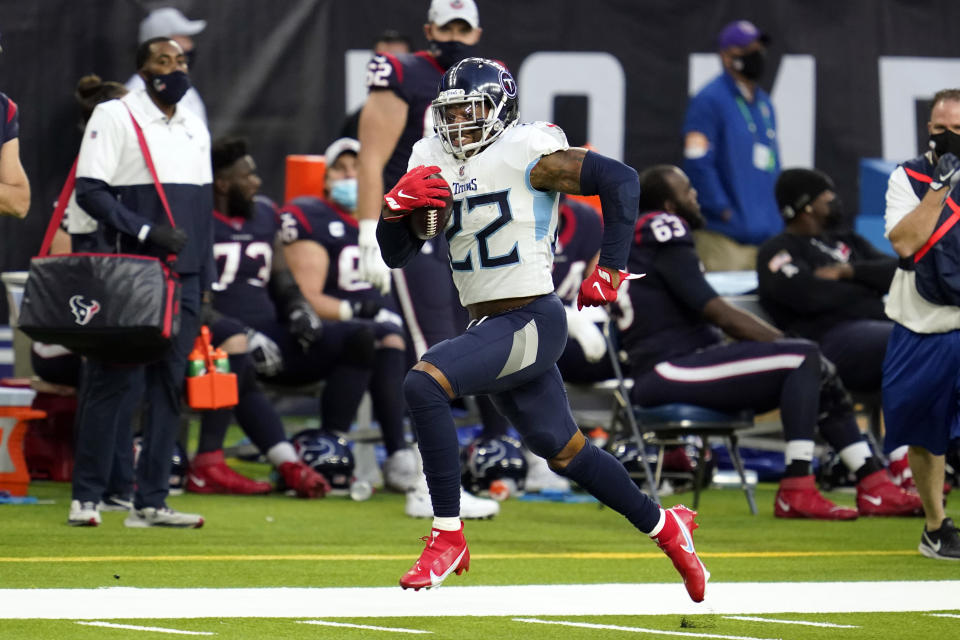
[(835, 401)]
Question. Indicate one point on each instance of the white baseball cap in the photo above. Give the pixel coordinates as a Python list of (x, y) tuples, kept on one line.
[(168, 21), (339, 147), (443, 11)]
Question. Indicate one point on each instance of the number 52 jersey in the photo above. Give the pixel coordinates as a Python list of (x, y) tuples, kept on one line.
[(502, 230)]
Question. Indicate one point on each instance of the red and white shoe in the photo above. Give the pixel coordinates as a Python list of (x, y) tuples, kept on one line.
[(799, 498), (878, 496), (210, 474), (306, 482), (446, 552), (676, 540), (902, 476)]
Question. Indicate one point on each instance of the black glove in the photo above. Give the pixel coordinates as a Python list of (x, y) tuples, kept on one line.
[(208, 315), (365, 308), (167, 238), (304, 324), (947, 172)]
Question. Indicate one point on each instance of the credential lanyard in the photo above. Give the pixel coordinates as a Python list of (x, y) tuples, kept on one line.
[(752, 126)]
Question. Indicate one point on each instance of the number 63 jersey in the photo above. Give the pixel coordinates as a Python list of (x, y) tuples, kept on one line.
[(502, 230)]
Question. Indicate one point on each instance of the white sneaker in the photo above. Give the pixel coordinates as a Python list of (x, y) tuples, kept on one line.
[(401, 470), (541, 477), (83, 514), (471, 507), (162, 517)]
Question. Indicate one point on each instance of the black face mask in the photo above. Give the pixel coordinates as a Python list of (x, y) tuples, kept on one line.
[(169, 87), (945, 142), (238, 206), (450, 53), (751, 65), (834, 217)]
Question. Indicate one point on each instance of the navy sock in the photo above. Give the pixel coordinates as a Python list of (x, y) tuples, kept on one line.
[(386, 385), (344, 390), (257, 417), (608, 481), (429, 408)]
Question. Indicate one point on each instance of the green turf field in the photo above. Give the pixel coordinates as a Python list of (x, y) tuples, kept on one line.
[(277, 541)]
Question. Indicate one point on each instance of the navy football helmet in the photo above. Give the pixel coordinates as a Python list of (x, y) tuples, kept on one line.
[(476, 95), (489, 459), (327, 454)]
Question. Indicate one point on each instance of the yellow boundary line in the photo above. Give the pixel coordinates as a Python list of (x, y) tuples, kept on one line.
[(357, 557)]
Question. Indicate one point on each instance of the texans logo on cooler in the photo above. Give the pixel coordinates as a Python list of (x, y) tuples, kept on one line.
[(83, 311)]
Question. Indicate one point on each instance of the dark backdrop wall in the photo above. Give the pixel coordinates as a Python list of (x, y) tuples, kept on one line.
[(274, 70)]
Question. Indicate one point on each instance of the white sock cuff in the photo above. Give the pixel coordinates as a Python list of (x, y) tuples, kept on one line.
[(446, 524), (662, 521), (799, 450), (855, 455), (898, 454), (282, 452)]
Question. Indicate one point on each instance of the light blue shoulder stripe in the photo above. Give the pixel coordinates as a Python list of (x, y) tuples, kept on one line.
[(542, 203)]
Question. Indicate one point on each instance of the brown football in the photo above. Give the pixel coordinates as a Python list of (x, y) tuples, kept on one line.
[(426, 222)]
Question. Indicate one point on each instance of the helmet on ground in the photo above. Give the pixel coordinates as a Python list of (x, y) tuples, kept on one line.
[(489, 459), (475, 95), (327, 454)]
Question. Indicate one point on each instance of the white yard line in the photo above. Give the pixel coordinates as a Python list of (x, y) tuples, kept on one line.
[(325, 623), (133, 627), (804, 623), (944, 615), (734, 598), (616, 627)]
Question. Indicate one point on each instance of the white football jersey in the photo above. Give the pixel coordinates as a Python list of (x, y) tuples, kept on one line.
[(502, 230)]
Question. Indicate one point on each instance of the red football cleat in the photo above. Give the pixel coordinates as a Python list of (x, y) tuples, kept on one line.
[(799, 498), (878, 496), (446, 552), (210, 474), (304, 480), (676, 540)]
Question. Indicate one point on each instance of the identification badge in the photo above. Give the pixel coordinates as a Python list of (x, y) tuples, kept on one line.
[(761, 156)]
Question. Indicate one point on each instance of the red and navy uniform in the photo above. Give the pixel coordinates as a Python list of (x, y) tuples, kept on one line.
[(309, 218), (677, 356), (414, 78), (243, 250), (325, 223), (578, 235), (10, 119)]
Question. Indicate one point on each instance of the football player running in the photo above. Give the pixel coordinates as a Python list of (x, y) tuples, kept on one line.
[(506, 178)]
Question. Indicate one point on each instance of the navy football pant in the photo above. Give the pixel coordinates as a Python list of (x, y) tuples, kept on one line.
[(109, 395), (760, 376), (512, 357), (857, 348)]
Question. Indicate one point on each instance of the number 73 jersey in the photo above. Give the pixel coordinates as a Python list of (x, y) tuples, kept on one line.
[(502, 230)]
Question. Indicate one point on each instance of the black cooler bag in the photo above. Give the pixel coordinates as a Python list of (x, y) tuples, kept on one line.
[(114, 307)]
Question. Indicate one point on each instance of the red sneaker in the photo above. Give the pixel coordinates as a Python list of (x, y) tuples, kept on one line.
[(799, 498), (210, 474), (878, 496), (676, 540), (902, 476), (304, 480), (446, 552)]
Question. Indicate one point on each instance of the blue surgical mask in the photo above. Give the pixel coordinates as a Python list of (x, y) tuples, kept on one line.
[(344, 193)]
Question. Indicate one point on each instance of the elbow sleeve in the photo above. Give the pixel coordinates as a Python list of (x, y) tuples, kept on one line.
[(619, 189)]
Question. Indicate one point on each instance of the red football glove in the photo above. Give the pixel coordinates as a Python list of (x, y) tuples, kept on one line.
[(414, 190), (598, 290)]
